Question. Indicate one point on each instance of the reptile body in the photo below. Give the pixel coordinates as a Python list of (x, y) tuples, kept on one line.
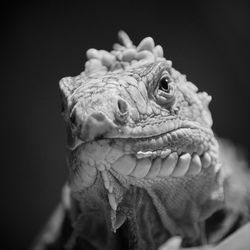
[(143, 159)]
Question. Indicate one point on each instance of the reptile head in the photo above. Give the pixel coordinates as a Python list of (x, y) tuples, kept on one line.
[(145, 110), (133, 119)]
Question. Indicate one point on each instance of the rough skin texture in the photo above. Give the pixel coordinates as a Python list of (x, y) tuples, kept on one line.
[(144, 162)]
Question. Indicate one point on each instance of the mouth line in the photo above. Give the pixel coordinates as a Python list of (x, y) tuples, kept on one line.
[(183, 152), (145, 143), (106, 152), (170, 157)]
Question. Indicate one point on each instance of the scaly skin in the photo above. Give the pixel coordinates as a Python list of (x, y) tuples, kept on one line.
[(143, 158)]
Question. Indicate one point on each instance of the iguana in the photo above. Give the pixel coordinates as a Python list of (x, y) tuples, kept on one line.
[(144, 163)]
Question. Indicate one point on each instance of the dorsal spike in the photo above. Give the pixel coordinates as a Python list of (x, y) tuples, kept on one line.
[(124, 39)]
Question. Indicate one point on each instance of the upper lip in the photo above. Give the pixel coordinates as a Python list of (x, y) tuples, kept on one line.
[(78, 142)]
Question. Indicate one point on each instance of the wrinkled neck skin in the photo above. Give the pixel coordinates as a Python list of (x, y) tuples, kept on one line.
[(143, 158), (146, 216), (122, 195)]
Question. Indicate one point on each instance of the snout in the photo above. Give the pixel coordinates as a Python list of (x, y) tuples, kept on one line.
[(99, 117)]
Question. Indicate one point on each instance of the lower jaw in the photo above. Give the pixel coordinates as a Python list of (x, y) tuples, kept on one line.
[(114, 186), (112, 167), (118, 154), (114, 156)]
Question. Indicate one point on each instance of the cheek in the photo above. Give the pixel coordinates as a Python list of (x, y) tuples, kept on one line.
[(195, 114), (207, 118), (202, 115)]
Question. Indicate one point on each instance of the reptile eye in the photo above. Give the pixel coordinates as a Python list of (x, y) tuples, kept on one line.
[(164, 84), (165, 91)]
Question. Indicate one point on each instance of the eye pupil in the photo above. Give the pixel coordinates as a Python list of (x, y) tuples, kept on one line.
[(164, 84)]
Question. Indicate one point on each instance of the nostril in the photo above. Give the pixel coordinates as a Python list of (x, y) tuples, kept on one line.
[(122, 107), (98, 117)]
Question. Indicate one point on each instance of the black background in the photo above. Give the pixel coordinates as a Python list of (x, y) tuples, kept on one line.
[(43, 42)]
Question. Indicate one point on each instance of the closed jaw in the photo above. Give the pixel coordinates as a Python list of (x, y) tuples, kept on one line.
[(147, 159), (144, 164), (118, 158)]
